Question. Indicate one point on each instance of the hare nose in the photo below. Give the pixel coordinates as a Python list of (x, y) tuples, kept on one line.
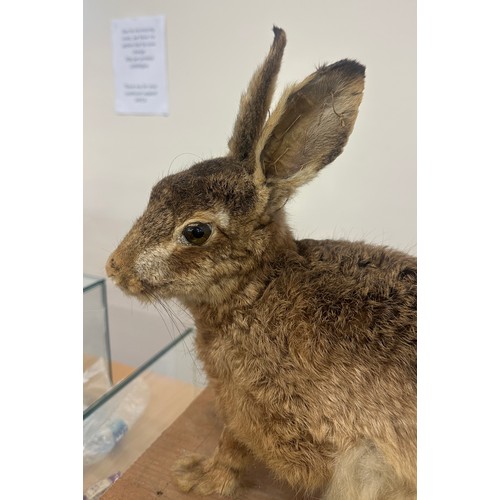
[(112, 267)]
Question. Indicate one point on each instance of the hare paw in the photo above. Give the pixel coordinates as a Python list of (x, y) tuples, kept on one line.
[(203, 476)]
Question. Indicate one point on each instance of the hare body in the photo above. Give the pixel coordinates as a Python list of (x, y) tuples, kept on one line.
[(306, 382), (309, 345)]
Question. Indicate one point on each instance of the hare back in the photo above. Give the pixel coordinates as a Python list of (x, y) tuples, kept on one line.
[(361, 293), (324, 359)]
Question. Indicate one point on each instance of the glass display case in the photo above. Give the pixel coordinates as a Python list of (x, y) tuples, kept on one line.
[(121, 421), (96, 344), (127, 419)]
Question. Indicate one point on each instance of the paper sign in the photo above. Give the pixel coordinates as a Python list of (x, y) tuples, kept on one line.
[(139, 66)]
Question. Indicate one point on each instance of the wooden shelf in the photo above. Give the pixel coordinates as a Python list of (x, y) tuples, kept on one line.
[(197, 430)]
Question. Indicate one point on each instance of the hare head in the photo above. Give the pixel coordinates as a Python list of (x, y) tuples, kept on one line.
[(207, 229)]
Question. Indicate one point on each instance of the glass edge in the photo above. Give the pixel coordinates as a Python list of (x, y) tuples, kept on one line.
[(107, 336), (124, 382), (99, 280)]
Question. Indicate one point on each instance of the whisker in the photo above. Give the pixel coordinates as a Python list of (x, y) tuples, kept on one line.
[(172, 314), (160, 305), (180, 306), (152, 299), (177, 157), (172, 311)]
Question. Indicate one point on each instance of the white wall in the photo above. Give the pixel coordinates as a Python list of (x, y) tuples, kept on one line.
[(212, 49)]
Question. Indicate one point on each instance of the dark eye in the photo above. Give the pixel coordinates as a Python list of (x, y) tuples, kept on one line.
[(197, 233)]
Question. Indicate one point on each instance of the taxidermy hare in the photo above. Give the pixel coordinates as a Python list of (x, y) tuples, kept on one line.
[(310, 345)]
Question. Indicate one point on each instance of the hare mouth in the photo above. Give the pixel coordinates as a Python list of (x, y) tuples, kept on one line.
[(141, 289), (156, 292)]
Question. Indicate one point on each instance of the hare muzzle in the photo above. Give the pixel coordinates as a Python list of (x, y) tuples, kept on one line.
[(115, 270)]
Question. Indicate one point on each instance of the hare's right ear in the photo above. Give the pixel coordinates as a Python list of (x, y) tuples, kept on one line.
[(308, 129)]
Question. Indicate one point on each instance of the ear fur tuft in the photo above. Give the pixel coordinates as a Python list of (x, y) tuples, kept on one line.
[(347, 66)]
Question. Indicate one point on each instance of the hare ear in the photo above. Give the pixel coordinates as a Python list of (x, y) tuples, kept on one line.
[(309, 128), (255, 103)]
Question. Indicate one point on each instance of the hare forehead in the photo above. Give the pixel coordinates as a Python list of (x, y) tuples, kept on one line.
[(219, 182)]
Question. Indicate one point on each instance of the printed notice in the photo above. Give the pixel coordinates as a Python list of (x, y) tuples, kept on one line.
[(139, 66)]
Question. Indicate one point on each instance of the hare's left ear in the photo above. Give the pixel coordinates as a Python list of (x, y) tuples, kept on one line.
[(308, 129), (255, 102)]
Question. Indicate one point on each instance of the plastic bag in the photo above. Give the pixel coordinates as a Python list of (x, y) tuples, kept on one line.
[(96, 382), (110, 423)]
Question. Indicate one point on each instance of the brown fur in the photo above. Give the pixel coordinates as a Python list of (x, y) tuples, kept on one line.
[(310, 345)]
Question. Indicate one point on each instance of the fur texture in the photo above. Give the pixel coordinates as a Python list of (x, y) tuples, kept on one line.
[(310, 345)]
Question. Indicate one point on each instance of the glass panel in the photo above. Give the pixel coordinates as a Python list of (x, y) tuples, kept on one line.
[(96, 352), (90, 281), (126, 420)]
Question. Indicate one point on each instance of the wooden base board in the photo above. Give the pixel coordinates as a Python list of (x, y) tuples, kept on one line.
[(197, 430)]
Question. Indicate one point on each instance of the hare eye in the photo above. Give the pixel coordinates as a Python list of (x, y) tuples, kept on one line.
[(197, 233)]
